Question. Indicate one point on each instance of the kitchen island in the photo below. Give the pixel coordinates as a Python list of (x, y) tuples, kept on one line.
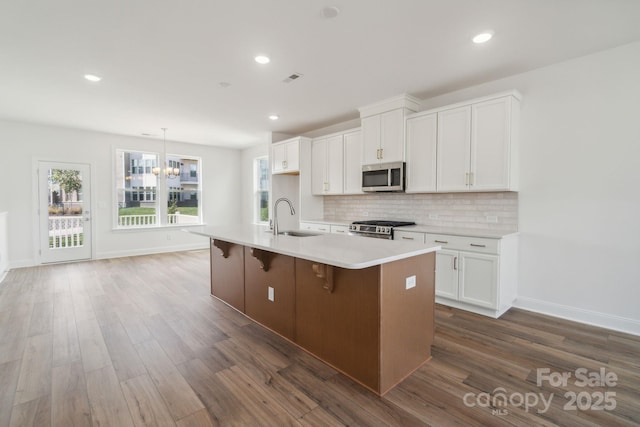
[(364, 306)]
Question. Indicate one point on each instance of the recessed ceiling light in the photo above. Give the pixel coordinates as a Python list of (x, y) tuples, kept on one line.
[(92, 78), (330, 12), (483, 37), (262, 59), (274, 117)]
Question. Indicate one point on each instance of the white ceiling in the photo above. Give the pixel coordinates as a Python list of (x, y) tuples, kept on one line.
[(162, 61)]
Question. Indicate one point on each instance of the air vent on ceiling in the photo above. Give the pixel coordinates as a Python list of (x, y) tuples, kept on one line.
[(292, 77)]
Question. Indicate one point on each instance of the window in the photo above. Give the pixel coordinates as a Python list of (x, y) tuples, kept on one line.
[(261, 189), (148, 197)]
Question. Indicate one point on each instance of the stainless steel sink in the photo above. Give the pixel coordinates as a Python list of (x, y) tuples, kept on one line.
[(298, 233)]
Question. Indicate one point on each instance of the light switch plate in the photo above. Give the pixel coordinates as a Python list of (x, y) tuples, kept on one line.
[(271, 293), (492, 218), (410, 282)]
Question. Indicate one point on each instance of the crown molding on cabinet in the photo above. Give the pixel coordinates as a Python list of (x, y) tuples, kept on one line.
[(400, 101)]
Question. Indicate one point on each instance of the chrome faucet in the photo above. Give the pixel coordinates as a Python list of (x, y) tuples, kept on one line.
[(275, 213)]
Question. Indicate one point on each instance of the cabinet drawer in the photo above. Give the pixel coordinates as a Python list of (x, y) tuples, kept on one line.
[(464, 243), (340, 229), (312, 226), (409, 236)]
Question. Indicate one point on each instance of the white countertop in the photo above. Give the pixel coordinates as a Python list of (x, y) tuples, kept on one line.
[(352, 252), (470, 232), (434, 229)]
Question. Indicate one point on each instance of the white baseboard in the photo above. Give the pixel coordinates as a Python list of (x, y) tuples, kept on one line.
[(117, 254), (151, 251), (30, 262), (603, 320)]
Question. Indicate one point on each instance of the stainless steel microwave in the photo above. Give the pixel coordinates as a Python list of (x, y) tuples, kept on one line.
[(383, 177)]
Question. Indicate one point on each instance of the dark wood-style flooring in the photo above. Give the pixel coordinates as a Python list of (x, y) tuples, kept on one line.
[(139, 341)]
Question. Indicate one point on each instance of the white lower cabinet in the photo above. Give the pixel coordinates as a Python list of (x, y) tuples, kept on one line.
[(478, 279), (472, 273), (447, 273), (339, 229), (315, 226)]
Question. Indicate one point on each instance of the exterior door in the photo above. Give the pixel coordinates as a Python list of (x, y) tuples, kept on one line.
[(64, 202)]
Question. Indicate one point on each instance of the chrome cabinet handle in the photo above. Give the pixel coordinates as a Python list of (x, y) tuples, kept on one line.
[(471, 178), (408, 238), (455, 262), (478, 246), (440, 241)]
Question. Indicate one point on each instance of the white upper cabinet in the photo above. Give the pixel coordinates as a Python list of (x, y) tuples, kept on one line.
[(285, 156), (383, 137), (492, 145), (421, 138), (371, 137), (454, 149), (327, 165), (353, 162), (383, 129), (477, 146)]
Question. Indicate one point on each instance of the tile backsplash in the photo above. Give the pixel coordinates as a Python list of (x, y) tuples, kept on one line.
[(496, 211)]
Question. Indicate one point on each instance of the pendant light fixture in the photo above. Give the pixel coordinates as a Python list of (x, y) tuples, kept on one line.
[(168, 171)]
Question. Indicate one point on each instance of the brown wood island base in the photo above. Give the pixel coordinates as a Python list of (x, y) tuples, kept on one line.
[(363, 322)]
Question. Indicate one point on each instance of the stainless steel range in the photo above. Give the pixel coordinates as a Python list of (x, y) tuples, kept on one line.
[(381, 229)]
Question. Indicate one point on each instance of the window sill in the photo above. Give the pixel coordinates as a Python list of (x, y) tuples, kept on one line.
[(155, 228)]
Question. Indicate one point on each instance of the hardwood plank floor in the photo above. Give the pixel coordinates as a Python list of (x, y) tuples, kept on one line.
[(139, 341)]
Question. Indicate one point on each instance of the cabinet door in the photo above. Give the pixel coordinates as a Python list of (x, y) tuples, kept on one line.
[(371, 140), (479, 279), (454, 149), (392, 136), (490, 145), (335, 165), (278, 158), (409, 236), (421, 153), (447, 274), (318, 166), (292, 162), (314, 226), (353, 163), (269, 295), (340, 229)]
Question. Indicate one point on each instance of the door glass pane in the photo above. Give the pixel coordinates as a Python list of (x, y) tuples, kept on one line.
[(65, 206)]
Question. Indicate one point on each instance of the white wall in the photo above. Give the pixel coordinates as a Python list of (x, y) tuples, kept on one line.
[(21, 144), (580, 186), (4, 245), (248, 156)]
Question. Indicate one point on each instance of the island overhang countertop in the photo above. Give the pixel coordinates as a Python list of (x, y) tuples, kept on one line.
[(351, 252)]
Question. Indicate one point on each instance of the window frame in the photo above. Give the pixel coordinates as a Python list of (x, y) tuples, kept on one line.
[(163, 187), (256, 214)]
